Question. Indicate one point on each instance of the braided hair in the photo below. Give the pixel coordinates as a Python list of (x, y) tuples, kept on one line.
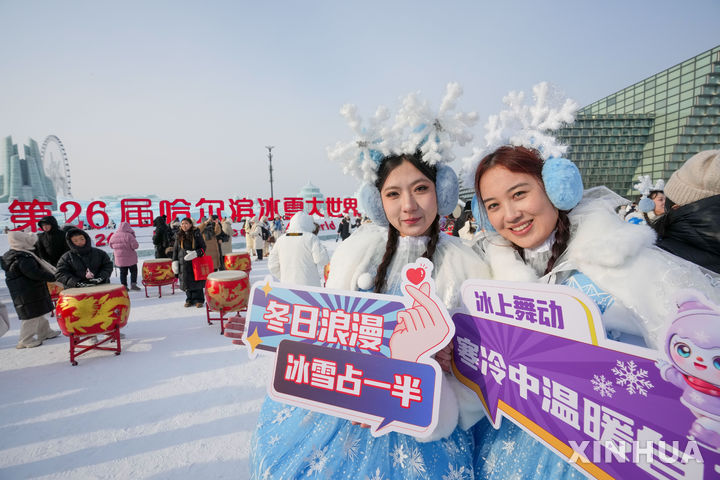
[(387, 165), (528, 161)]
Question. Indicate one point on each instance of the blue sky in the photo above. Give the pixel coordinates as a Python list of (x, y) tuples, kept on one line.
[(180, 98)]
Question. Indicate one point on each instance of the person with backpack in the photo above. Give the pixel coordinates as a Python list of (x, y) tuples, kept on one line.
[(256, 232)]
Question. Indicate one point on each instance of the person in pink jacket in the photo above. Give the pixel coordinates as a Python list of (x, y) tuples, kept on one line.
[(124, 245)]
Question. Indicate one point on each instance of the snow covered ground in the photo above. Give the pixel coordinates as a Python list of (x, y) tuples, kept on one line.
[(180, 402)]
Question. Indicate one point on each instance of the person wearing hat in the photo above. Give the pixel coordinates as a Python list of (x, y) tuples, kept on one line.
[(51, 241), (26, 277), (691, 227), (83, 265)]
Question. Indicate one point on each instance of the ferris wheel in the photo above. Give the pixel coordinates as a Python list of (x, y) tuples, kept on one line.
[(56, 165)]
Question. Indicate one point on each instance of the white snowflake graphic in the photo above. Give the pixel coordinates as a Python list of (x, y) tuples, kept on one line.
[(273, 440), (266, 475), (508, 447), (317, 460), (416, 464), (632, 378), (399, 456), (376, 476), (603, 385), (308, 418), (451, 447), (351, 446), (282, 415), (491, 463), (456, 474)]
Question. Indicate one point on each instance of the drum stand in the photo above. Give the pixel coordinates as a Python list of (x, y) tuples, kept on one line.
[(235, 327), (78, 347), (159, 285), (222, 318)]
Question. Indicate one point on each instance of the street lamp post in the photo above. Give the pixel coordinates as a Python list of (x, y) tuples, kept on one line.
[(269, 148)]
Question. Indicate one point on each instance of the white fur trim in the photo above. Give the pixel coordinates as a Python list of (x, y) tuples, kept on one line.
[(448, 413)]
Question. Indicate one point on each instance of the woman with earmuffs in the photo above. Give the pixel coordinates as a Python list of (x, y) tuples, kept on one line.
[(405, 192), (545, 228)]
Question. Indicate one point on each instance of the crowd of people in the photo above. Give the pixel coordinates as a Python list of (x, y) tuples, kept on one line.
[(532, 222)]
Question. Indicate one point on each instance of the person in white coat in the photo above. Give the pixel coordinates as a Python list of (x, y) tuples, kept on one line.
[(299, 253)]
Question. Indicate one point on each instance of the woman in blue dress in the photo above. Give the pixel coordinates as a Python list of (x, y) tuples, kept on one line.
[(408, 187), (538, 232), (295, 443)]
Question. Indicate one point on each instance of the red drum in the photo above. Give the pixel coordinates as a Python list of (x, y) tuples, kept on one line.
[(85, 314), (157, 271), (238, 261), (227, 291), (55, 288), (92, 310)]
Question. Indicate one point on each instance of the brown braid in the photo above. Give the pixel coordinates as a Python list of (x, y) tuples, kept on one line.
[(390, 248), (562, 237), (434, 238)]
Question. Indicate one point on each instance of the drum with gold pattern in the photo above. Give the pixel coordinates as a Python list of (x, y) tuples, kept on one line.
[(227, 291), (157, 271), (238, 261), (92, 310), (55, 288)]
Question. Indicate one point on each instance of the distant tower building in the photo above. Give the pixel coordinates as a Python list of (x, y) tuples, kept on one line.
[(309, 191), (649, 128), (22, 176)]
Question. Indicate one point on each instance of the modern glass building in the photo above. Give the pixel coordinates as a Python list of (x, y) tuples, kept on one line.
[(649, 128)]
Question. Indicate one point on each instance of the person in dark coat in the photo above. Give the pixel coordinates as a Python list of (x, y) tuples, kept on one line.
[(344, 228), (26, 277), (83, 265), (51, 241), (162, 238), (189, 244), (691, 227)]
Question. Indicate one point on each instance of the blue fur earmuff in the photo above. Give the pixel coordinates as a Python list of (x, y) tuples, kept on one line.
[(563, 183), (446, 189), (563, 186)]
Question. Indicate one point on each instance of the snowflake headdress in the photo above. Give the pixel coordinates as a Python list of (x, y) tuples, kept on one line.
[(417, 128), (645, 187), (532, 126)]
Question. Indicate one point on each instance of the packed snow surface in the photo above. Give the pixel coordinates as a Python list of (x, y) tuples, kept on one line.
[(181, 401)]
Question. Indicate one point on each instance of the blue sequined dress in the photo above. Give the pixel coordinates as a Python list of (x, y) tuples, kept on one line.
[(291, 442)]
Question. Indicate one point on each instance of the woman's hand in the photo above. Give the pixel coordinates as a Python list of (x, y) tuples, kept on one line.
[(363, 425), (444, 357)]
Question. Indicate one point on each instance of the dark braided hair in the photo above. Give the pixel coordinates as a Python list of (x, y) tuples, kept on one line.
[(528, 161), (387, 165), (562, 237)]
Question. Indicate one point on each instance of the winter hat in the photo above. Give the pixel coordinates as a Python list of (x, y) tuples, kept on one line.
[(22, 240), (698, 178)]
